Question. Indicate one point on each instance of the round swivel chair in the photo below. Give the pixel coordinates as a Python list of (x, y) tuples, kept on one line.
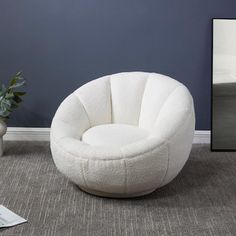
[(124, 135)]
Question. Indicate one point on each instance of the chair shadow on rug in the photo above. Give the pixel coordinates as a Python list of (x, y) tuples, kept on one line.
[(197, 184)]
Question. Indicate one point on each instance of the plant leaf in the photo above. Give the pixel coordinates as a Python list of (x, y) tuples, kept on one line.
[(17, 99), (9, 95), (9, 98), (17, 85), (19, 93)]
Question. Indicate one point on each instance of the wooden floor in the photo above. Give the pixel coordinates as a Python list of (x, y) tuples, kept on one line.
[(224, 116)]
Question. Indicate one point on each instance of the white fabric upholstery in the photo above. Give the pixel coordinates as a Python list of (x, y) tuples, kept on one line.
[(124, 135), (127, 92), (113, 135), (95, 97)]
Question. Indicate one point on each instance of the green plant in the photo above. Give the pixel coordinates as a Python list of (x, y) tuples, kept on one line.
[(10, 97)]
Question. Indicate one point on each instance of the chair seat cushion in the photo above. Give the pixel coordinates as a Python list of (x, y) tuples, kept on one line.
[(113, 135)]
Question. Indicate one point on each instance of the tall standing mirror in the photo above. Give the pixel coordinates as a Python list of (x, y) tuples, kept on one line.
[(224, 85)]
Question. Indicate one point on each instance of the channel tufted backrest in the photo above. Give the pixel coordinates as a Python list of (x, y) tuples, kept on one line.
[(96, 99), (134, 98), (157, 90), (126, 96)]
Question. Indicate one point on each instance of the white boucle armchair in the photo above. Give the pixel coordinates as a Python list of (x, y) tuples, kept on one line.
[(124, 135)]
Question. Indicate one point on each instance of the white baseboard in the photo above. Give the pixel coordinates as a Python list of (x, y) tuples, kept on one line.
[(27, 134), (43, 134), (202, 136)]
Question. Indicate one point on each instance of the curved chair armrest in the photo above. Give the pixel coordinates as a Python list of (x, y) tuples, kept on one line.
[(70, 120), (79, 149), (174, 113)]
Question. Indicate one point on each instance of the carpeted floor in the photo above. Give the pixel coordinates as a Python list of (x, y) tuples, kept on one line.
[(200, 201)]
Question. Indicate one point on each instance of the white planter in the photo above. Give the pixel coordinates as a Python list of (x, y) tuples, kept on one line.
[(3, 130)]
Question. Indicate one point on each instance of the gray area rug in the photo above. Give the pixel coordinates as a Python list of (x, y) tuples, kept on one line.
[(200, 201)]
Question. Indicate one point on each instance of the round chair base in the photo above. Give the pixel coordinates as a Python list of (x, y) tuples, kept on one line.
[(116, 195)]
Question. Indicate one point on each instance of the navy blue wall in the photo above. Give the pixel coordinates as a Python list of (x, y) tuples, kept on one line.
[(61, 44)]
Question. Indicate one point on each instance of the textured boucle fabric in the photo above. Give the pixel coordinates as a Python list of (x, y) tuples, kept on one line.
[(113, 135), (158, 114)]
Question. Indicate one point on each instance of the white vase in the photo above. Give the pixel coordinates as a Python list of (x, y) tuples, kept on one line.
[(3, 130)]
